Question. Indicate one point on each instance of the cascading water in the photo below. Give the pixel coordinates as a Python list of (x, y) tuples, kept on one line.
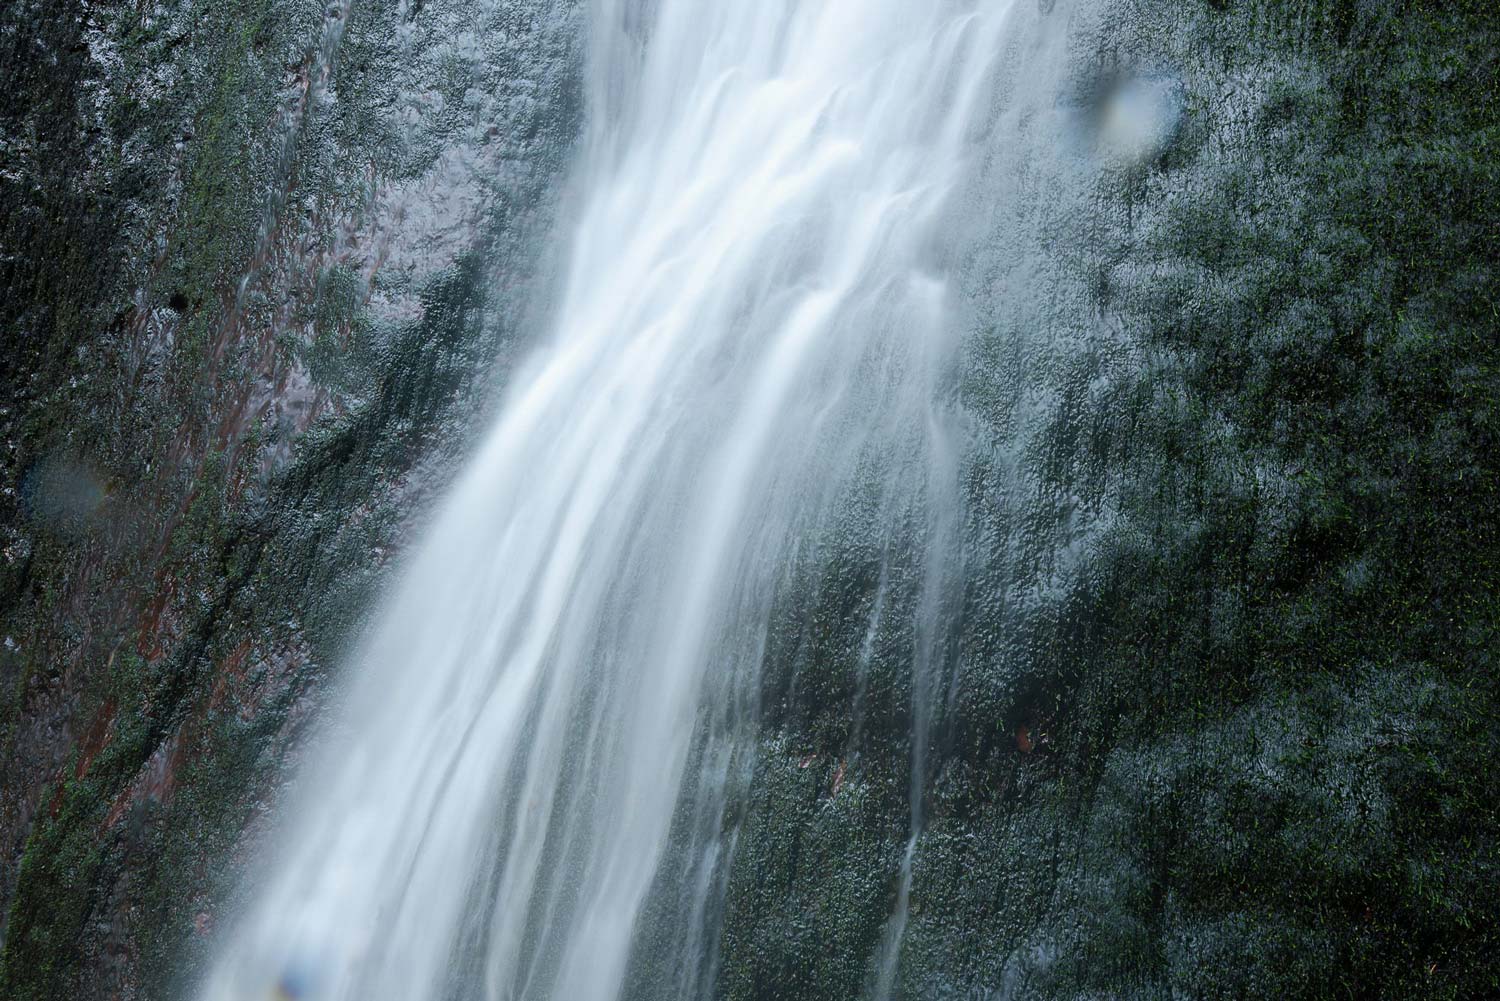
[(758, 317)]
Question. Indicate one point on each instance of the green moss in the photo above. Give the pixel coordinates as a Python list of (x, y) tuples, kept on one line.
[(1267, 689), (62, 873)]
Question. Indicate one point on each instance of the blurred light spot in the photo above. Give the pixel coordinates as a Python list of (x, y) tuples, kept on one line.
[(62, 494), (1139, 118), (297, 982)]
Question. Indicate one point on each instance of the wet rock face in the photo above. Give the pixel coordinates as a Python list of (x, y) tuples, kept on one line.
[(1216, 709), (1210, 723), (263, 263), (1217, 725)]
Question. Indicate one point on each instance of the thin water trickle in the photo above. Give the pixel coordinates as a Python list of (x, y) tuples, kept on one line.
[(758, 311)]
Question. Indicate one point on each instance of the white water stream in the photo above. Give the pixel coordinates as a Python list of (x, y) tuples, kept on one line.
[(758, 309)]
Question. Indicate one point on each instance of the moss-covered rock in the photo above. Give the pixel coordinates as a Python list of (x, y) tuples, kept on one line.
[(1223, 711), (234, 371)]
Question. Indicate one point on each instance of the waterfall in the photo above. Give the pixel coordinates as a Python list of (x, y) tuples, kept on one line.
[(758, 316)]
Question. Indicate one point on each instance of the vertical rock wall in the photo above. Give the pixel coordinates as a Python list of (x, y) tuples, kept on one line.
[(1221, 716), (263, 262)]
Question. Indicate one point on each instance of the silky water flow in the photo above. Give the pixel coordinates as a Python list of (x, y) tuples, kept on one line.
[(757, 318)]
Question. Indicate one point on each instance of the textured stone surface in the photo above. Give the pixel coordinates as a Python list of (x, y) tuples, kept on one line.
[(263, 263), (1223, 720)]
